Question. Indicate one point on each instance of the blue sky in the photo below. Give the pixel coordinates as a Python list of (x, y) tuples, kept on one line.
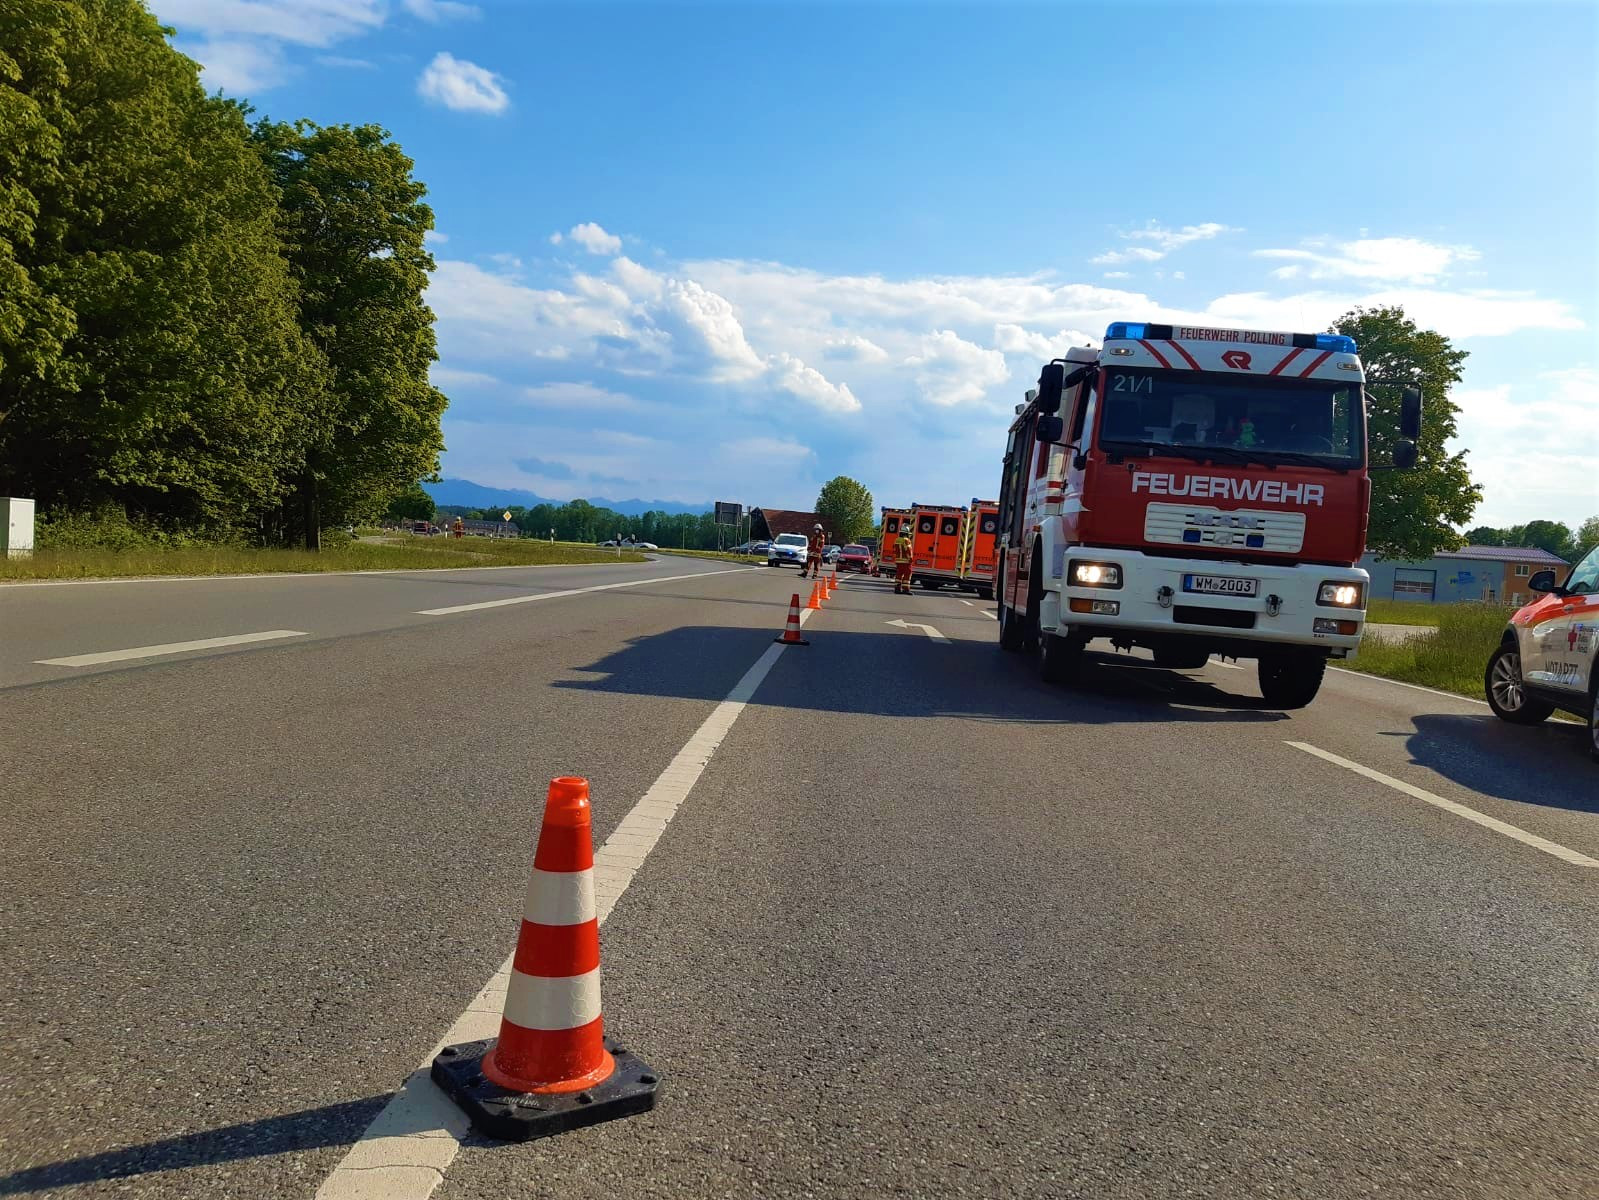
[(697, 252)]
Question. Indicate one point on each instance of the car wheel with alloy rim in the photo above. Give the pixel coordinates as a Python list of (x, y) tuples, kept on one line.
[(1507, 694), (1593, 716)]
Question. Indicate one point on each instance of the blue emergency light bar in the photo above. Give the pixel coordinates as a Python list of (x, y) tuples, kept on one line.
[(1336, 343)]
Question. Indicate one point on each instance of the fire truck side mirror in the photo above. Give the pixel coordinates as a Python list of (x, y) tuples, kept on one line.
[(1405, 454), (1051, 429), (1051, 384), (1410, 413)]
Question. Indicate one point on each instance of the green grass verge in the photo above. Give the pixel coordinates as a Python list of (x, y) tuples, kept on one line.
[(1451, 656), (397, 553), (719, 555), (1402, 612)]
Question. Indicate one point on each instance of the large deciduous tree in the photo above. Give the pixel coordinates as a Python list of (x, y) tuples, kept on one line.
[(1553, 536), (353, 224), (150, 355), (845, 507), (1412, 512), (1586, 538)]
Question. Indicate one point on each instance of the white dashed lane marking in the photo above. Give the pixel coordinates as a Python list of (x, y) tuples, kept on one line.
[(405, 1151), (452, 609), (110, 656)]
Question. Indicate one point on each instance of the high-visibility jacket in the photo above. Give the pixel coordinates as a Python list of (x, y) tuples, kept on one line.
[(902, 550)]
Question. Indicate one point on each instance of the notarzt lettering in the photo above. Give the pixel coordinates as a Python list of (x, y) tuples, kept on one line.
[(1219, 487)]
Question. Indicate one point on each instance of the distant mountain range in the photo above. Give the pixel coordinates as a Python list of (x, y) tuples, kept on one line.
[(476, 495)]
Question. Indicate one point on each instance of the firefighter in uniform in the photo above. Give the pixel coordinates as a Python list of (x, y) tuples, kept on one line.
[(813, 553), (902, 562)]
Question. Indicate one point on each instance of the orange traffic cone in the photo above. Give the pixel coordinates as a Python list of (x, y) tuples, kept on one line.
[(832, 583), (552, 1068), (791, 631), (816, 596)]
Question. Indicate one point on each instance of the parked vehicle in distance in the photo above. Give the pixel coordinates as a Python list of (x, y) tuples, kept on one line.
[(856, 558), (1549, 657), (831, 554), (787, 548), (629, 543)]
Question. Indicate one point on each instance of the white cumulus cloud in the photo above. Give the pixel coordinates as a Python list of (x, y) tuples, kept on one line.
[(949, 370), (461, 85), (594, 239), (810, 385), (709, 318)]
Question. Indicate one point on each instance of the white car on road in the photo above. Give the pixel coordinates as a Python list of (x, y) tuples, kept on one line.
[(787, 548), (1549, 658)]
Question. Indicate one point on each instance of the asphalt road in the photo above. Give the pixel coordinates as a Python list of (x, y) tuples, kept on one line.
[(924, 926)]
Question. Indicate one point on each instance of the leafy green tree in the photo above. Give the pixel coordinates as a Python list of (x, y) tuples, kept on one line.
[(413, 504), (845, 507), (353, 223), (1485, 535), (1585, 539), (1553, 536), (150, 356), (1413, 513)]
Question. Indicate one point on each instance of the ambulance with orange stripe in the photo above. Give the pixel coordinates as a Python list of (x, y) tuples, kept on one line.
[(894, 519), (978, 541), (1193, 491)]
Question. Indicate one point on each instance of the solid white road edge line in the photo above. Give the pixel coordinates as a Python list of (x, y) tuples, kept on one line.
[(405, 1151), (1460, 810), (1216, 662), (1415, 687), (601, 587), (108, 656)]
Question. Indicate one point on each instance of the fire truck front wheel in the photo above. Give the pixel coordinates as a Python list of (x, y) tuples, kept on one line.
[(1059, 658), (1289, 679)]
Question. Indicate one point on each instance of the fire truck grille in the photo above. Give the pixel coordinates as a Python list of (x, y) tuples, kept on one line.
[(1224, 618), (1202, 525)]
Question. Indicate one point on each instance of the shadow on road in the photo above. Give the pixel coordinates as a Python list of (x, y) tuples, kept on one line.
[(1546, 765), (333, 1124), (906, 675)]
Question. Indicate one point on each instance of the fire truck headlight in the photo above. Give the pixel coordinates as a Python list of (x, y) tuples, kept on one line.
[(1093, 574), (1340, 595)]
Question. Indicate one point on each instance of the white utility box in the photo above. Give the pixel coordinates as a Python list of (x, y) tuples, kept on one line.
[(16, 527)]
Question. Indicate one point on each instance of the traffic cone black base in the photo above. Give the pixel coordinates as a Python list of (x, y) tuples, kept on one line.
[(511, 1116)]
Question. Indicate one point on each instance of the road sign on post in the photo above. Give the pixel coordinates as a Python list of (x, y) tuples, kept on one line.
[(728, 514)]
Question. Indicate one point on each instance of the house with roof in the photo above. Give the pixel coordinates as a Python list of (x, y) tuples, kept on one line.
[(1492, 574), (767, 523)]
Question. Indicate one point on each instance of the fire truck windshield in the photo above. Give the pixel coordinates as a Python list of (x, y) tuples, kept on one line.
[(1199, 415)]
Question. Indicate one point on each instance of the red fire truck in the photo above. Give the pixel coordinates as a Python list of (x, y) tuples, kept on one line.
[(1195, 492), (979, 537)]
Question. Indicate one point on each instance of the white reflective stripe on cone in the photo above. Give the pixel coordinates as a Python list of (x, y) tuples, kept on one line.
[(569, 1002), (560, 897)]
